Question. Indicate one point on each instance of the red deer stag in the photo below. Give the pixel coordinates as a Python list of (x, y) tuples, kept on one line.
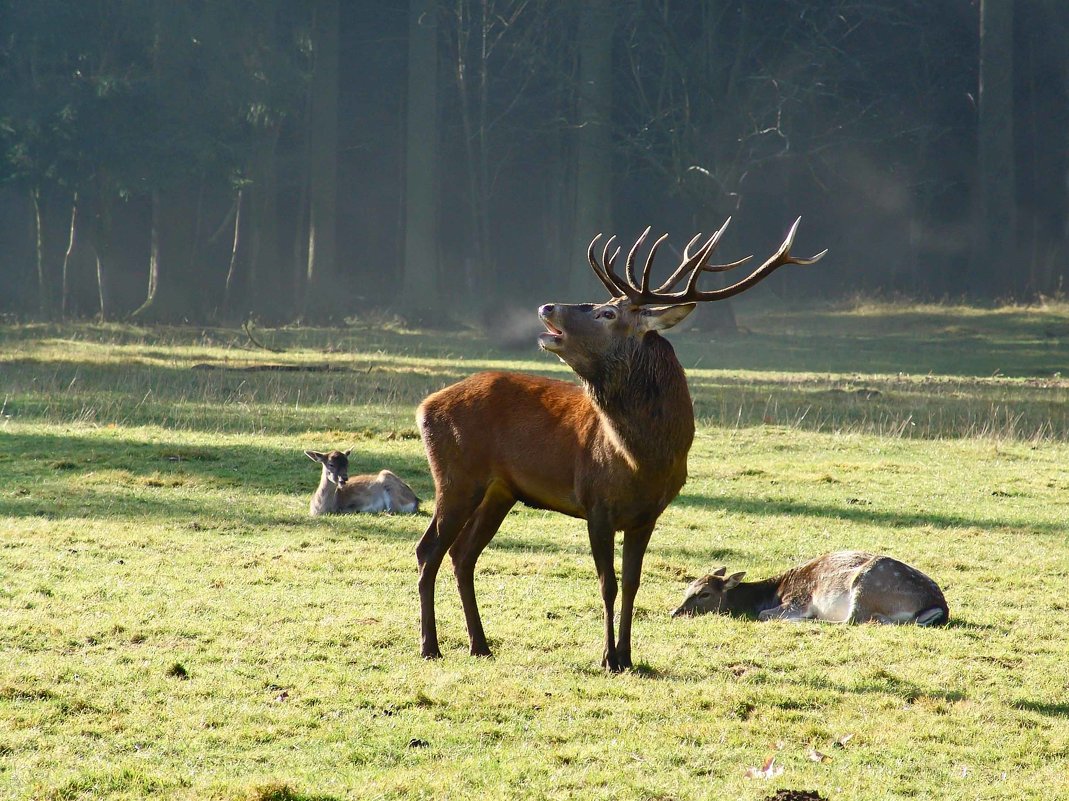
[(612, 451)]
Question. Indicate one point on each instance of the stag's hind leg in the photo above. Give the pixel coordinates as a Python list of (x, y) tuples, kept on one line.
[(478, 531), (450, 515)]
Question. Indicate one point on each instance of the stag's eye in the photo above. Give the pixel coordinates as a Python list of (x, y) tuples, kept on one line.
[(608, 314), (703, 594)]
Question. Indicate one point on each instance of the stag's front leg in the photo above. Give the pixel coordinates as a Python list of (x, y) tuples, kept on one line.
[(601, 546), (635, 542)]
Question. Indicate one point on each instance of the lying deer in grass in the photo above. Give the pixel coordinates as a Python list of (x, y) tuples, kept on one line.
[(612, 451), (338, 493), (840, 587)]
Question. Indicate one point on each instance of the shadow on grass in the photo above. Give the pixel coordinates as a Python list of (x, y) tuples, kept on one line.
[(256, 468), (1058, 709), (50, 476), (767, 508), (967, 626), (277, 791)]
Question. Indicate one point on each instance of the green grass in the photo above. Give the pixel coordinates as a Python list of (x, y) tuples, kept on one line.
[(173, 625)]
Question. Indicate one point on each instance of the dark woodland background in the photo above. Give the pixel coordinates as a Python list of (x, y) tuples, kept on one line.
[(216, 160)]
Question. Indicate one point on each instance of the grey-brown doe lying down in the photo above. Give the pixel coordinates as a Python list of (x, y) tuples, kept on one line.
[(840, 587), (338, 493)]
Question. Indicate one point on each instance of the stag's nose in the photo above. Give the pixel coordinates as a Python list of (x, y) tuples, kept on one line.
[(678, 612), (546, 310)]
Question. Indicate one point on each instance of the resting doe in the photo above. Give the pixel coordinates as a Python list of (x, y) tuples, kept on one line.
[(338, 493), (840, 587)]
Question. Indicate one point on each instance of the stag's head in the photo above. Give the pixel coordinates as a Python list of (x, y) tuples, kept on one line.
[(335, 465), (708, 593), (585, 335)]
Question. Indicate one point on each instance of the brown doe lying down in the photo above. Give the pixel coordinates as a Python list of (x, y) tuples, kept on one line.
[(338, 493), (840, 587)]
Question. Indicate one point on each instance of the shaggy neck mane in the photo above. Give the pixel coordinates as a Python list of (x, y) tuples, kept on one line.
[(642, 390)]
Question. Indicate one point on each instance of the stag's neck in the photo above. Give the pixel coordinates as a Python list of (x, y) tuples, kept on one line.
[(325, 499), (753, 597), (642, 396)]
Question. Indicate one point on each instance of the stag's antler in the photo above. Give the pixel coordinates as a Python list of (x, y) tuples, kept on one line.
[(692, 265)]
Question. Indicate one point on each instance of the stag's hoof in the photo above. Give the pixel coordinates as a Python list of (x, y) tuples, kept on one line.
[(611, 663), (431, 653), (483, 651)]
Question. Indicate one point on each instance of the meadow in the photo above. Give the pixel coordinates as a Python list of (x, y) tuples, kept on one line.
[(174, 625)]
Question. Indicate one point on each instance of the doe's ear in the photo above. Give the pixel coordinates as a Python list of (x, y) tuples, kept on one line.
[(346, 453), (660, 318), (315, 456), (733, 580), (720, 571)]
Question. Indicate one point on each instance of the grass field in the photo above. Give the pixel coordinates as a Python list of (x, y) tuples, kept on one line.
[(173, 625)]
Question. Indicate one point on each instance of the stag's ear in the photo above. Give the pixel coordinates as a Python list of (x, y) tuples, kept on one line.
[(720, 571), (733, 580), (315, 456), (659, 318), (346, 453)]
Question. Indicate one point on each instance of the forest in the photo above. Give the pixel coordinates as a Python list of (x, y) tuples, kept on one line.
[(317, 160)]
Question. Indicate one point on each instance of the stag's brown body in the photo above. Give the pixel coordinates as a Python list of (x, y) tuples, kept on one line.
[(612, 450)]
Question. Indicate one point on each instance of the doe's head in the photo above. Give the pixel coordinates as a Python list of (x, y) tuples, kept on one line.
[(335, 465), (708, 593)]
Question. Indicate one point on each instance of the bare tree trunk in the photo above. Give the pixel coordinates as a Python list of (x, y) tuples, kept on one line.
[(153, 259), (264, 287), (322, 292), (421, 151), (593, 191), (995, 256), (301, 233), (102, 293), (64, 301), (42, 285), (198, 299), (228, 288)]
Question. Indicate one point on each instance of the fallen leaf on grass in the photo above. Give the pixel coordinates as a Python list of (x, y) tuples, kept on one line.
[(816, 756), (769, 770), (842, 741)]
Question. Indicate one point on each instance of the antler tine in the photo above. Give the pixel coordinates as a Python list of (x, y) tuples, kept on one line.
[(778, 259), (629, 270), (723, 268), (695, 262), (645, 288), (599, 270), (690, 244), (624, 289)]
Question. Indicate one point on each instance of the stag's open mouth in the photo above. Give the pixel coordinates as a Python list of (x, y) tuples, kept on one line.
[(551, 337)]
